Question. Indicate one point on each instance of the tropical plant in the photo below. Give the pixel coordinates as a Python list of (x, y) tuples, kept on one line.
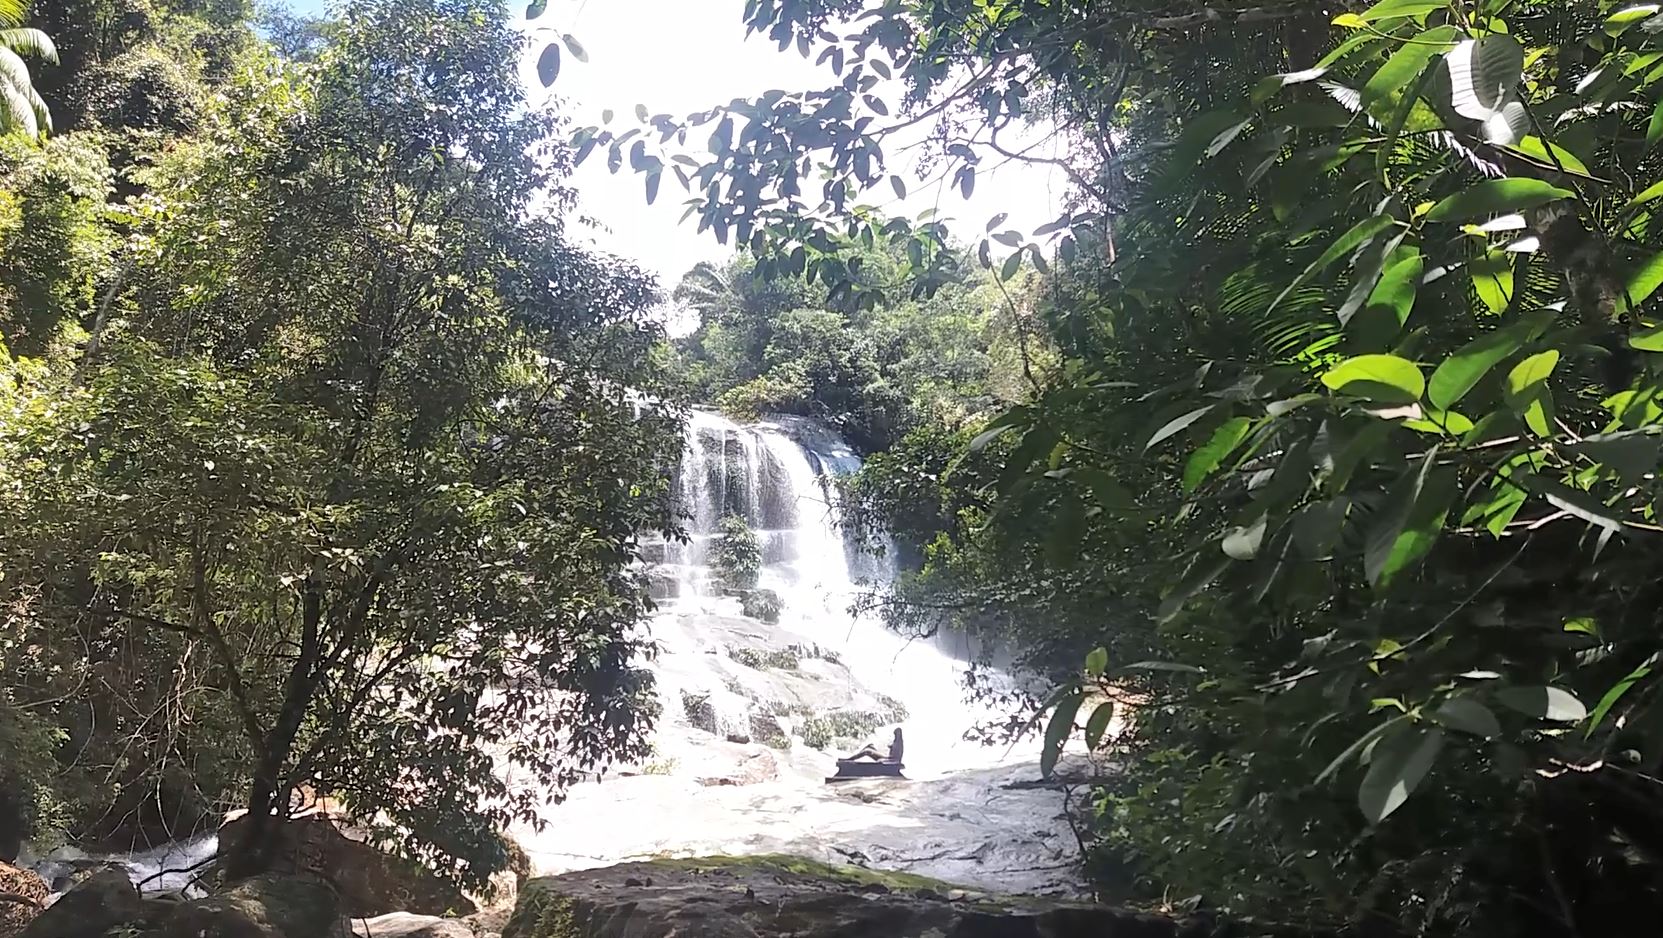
[(21, 107)]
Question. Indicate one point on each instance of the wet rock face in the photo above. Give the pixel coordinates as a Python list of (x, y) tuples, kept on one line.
[(779, 896)]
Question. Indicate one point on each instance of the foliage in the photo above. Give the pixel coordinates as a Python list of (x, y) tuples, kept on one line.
[(736, 554), (1349, 463), (21, 106), (343, 492)]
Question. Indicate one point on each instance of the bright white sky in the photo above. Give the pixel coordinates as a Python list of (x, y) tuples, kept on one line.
[(682, 56)]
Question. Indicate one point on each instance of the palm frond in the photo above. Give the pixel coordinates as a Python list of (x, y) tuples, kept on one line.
[(11, 12), (17, 107), (29, 42)]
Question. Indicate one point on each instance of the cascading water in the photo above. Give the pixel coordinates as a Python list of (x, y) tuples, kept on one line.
[(756, 712)]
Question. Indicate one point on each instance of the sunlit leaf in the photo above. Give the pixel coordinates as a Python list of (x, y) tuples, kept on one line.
[(1385, 378), (1098, 724), (1495, 197), (1548, 703)]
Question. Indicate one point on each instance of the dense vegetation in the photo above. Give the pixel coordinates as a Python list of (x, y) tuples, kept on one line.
[(1345, 467), (1320, 434), (322, 450)]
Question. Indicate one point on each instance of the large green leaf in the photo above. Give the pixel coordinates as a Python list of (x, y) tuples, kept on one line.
[(1609, 700), (1642, 283), (1468, 716), (1384, 378), (1399, 9), (1497, 197), (1528, 393), (1098, 724), (1384, 91), (1468, 365), (1410, 519), (1492, 277), (1396, 770), (1058, 730), (1211, 454), (1548, 703)]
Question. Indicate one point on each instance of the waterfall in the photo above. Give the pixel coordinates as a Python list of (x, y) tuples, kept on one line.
[(780, 475)]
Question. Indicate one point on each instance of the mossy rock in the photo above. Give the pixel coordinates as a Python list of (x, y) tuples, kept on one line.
[(778, 896)]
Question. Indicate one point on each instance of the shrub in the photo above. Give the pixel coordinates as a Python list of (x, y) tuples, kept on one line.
[(738, 554)]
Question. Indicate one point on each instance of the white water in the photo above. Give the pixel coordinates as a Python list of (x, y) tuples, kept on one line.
[(706, 794)]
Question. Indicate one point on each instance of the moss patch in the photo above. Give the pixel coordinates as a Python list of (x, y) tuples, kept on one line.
[(806, 870)]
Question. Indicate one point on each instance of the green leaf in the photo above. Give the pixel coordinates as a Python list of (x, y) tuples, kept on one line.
[(548, 65), (536, 9), (1011, 266), (899, 185), (1551, 155), (1177, 425), (1096, 661), (1397, 9), (1583, 625), (1394, 296), (1212, 454), (1647, 339), (1497, 197), (1621, 20), (1390, 82), (1609, 700), (1410, 520), (1098, 724), (1468, 716), (1164, 666), (1384, 378), (1347, 243), (1469, 364), (1527, 375), (1642, 283), (1547, 703), (1058, 731), (1396, 770), (1492, 277), (1650, 194)]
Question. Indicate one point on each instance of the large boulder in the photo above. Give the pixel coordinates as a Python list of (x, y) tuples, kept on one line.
[(779, 896), (370, 882), (22, 897), (98, 903), (267, 906)]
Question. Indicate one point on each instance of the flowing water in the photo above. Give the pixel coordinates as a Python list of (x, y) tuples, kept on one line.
[(715, 785), (743, 747)]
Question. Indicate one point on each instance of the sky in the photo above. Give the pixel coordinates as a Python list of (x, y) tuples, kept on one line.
[(682, 56)]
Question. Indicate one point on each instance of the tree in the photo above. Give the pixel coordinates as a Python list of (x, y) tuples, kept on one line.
[(363, 450), (21, 107)]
